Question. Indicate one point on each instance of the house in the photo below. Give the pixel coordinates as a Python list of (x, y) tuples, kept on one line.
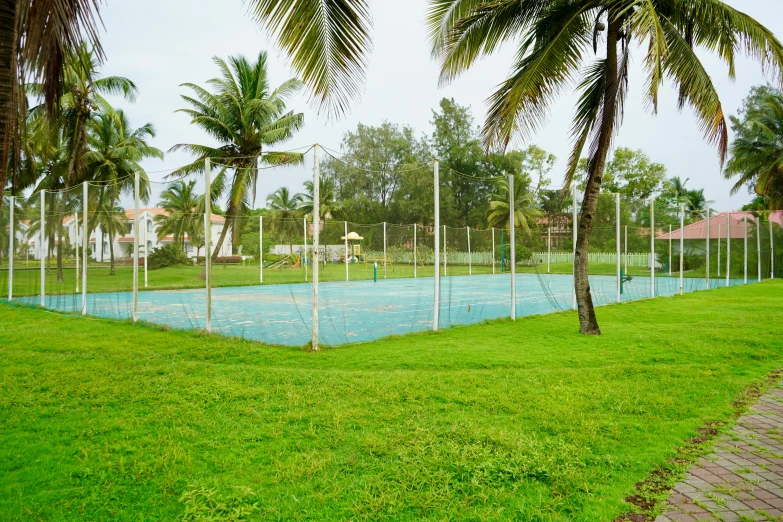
[(149, 239), (719, 226)]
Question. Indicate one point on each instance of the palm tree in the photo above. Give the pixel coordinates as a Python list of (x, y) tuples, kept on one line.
[(526, 213), (245, 116), (32, 46), (757, 151), (185, 213), (112, 220), (328, 207), (284, 209), (559, 42), (696, 204), (678, 190)]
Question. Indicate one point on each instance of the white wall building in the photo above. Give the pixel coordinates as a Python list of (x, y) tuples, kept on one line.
[(123, 245)]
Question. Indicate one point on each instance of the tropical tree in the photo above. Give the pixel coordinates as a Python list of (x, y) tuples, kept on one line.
[(328, 206), (526, 212), (696, 204), (112, 221), (284, 210), (185, 218), (757, 151), (245, 115), (558, 44)]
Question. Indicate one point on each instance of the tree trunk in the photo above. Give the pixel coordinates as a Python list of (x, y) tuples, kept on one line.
[(78, 141), (111, 253), (588, 323), (8, 48), (101, 244), (59, 256)]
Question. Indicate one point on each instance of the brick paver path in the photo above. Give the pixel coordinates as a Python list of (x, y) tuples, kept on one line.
[(742, 479)]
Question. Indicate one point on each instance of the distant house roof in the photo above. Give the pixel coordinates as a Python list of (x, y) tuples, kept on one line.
[(130, 214), (698, 229)]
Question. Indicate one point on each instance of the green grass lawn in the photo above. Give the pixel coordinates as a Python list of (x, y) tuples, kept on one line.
[(27, 282), (526, 421)]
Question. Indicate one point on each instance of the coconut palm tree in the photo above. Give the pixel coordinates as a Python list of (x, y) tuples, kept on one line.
[(589, 43), (245, 115), (526, 213), (328, 206), (284, 209), (112, 221), (757, 151), (185, 213)]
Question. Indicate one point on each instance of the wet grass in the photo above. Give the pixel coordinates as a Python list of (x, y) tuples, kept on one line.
[(526, 420)]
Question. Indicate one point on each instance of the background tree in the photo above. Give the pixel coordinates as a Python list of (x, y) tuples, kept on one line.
[(526, 212), (284, 211), (559, 42), (328, 206), (185, 218)]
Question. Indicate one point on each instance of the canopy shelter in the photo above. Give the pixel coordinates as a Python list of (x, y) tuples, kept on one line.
[(356, 243)]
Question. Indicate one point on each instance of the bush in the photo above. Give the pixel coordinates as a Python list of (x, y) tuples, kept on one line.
[(220, 260), (167, 255)]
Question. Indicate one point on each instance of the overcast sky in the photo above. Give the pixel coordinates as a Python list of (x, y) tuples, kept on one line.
[(160, 44)]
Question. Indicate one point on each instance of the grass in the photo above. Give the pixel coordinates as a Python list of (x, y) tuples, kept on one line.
[(27, 282), (527, 420)]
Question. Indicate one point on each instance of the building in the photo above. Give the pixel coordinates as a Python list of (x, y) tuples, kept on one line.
[(149, 239), (718, 227)]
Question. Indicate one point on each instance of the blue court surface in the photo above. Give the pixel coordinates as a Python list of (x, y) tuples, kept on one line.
[(360, 311)]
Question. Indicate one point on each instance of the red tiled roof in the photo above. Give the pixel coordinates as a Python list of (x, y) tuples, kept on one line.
[(698, 230), (130, 214)]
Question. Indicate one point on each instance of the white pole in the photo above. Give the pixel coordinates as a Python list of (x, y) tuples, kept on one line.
[(414, 251), (682, 243), (316, 226), (625, 257), (493, 250), (548, 248), (85, 243), (304, 248), (670, 250), (573, 263), (617, 260), (11, 249), (76, 241), (261, 249), (470, 261), (652, 247), (745, 253), (445, 254), (346, 250), (384, 250), (708, 247), (207, 239), (719, 249), (136, 222), (728, 248), (42, 249), (146, 252), (511, 238), (436, 222), (771, 253), (758, 247)]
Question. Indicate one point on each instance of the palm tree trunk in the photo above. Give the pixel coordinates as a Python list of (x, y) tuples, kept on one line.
[(8, 49), (79, 138), (588, 323), (111, 252)]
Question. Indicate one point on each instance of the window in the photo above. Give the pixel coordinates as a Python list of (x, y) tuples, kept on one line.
[(106, 246), (149, 226), (188, 248), (130, 229), (149, 247)]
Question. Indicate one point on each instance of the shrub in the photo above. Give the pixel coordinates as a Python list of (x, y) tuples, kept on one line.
[(220, 260), (167, 255)]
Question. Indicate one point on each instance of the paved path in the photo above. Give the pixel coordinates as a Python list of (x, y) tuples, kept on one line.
[(742, 479)]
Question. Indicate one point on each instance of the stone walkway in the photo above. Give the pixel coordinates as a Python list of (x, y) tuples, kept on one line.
[(742, 479)]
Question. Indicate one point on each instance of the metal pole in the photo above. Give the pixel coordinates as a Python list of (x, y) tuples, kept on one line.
[(670, 250), (42, 249), (436, 222), (316, 226), (728, 248), (76, 250), (682, 243), (146, 251), (512, 247), (708, 247), (652, 247), (745, 248), (718, 249), (758, 247), (346, 249), (625, 257), (573, 259), (470, 261), (445, 254), (414, 251), (85, 243), (771, 253), (136, 246), (11, 249), (207, 239), (304, 249), (261, 249), (548, 248), (493, 250), (384, 250), (617, 260)]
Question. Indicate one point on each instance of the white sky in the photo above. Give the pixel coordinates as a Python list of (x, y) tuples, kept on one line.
[(160, 44)]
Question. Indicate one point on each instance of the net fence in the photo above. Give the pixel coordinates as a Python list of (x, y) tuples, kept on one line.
[(87, 249)]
